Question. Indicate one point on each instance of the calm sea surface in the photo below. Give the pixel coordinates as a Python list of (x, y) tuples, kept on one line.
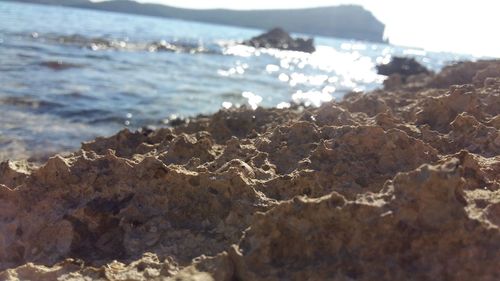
[(69, 75)]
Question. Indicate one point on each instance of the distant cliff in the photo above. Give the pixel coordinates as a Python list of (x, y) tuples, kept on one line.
[(350, 21)]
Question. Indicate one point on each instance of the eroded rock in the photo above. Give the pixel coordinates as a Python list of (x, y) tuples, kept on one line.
[(400, 184)]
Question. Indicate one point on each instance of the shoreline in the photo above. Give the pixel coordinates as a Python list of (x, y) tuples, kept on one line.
[(401, 183)]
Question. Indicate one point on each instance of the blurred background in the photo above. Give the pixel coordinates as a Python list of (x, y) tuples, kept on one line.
[(72, 70)]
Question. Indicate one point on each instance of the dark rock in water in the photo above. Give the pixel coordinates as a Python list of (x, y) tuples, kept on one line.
[(162, 46), (95, 44), (58, 65), (402, 66), (280, 39), (178, 47)]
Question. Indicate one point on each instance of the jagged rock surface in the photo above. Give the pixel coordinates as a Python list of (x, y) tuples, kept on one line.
[(397, 184)]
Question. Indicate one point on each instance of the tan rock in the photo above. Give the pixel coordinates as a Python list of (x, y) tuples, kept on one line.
[(399, 184)]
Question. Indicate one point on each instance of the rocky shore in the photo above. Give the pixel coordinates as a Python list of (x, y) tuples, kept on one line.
[(397, 184)]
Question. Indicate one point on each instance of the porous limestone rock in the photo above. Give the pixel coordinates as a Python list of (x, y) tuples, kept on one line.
[(400, 184)]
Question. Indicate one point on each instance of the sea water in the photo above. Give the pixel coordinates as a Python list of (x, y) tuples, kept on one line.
[(70, 75)]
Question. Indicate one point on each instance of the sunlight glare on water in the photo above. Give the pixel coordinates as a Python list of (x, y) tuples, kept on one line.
[(86, 73)]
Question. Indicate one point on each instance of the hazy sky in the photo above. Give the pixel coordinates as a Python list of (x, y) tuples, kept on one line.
[(439, 25)]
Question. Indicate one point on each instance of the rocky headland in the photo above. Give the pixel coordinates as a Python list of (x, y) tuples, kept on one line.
[(344, 21), (401, 183)]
